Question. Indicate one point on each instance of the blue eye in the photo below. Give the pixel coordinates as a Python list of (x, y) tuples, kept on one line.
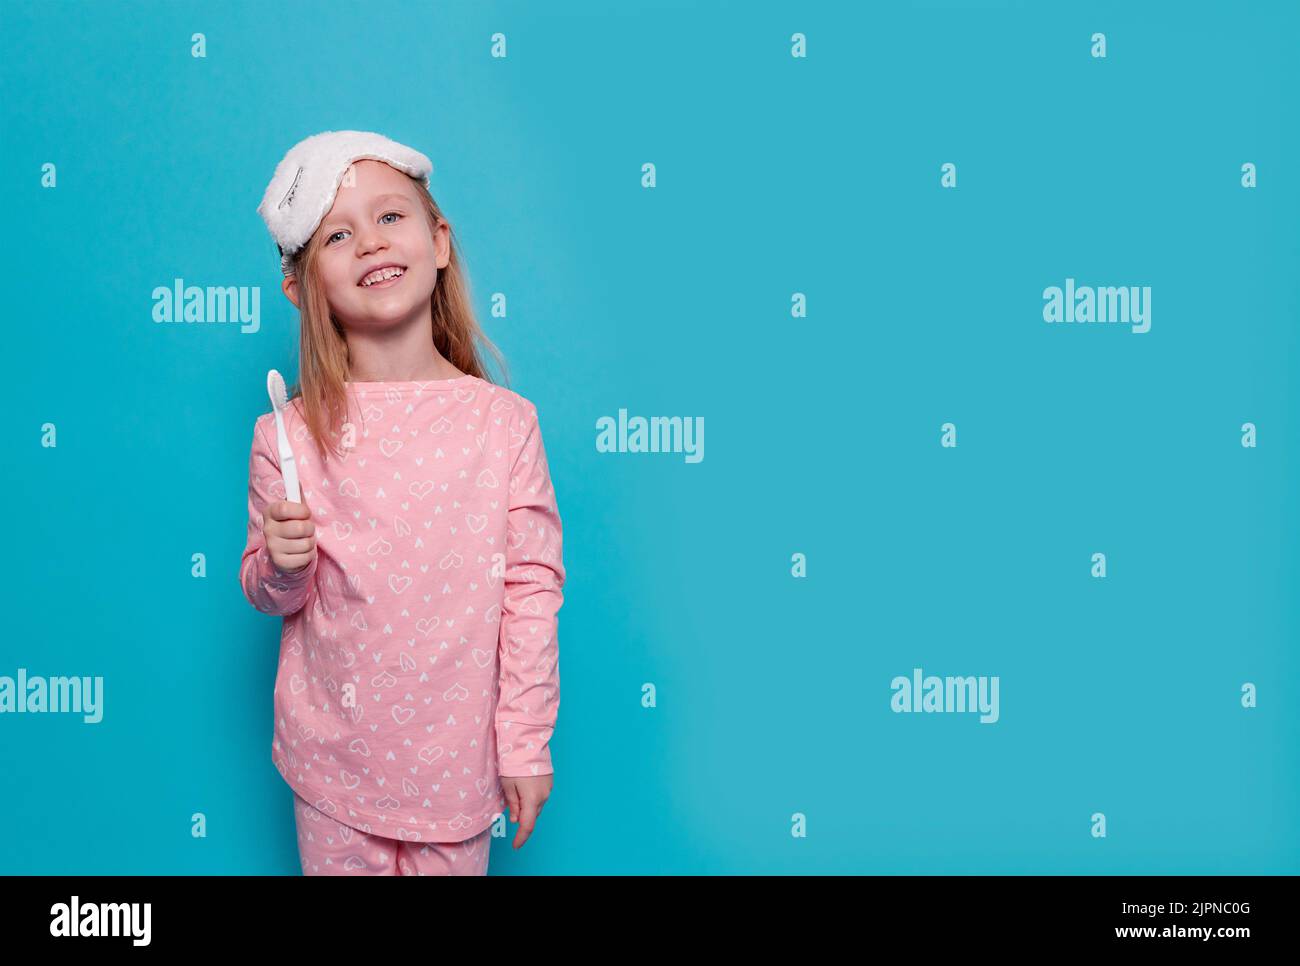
[(330, 240)]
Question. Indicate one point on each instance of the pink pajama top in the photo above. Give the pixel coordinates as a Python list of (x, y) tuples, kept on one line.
[(419, 657)]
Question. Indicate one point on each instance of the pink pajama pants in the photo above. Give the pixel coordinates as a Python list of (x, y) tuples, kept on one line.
[(328, 847)]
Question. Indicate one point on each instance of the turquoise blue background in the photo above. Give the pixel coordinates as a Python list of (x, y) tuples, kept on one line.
[(775, 175)]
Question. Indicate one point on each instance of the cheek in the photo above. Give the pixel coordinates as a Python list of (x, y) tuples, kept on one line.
[(341, 284)]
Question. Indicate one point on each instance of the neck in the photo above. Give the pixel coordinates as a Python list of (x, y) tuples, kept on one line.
[(402, 353)]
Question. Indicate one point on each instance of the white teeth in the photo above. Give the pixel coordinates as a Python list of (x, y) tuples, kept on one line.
[(380, 276)]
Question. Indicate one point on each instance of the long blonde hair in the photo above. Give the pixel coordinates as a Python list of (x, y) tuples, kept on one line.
[(323, 350)]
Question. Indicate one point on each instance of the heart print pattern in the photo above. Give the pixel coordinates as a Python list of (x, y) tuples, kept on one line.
[(419, 657)]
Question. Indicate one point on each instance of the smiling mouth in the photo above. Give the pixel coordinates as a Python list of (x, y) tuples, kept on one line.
[(384, 282)]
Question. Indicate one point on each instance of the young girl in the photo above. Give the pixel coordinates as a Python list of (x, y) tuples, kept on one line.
[(420, 574)]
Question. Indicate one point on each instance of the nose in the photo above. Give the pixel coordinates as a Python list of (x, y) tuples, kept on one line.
[(369, 240)]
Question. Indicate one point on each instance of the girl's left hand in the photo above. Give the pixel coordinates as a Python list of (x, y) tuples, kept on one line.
[(525, 798)]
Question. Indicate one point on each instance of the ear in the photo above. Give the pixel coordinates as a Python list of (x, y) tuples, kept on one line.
[(290, 287), (442, 246)]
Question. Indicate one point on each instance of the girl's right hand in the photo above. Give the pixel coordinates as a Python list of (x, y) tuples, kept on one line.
[(290, 535)]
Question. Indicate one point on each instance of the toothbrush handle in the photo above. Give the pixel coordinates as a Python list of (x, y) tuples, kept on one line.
[(289, 469), (288, 465)]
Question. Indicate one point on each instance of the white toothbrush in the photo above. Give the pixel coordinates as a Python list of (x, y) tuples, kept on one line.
[(288, 465)]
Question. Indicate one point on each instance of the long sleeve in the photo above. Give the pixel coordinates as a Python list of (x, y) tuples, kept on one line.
[(529, 699), (269, 589)]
